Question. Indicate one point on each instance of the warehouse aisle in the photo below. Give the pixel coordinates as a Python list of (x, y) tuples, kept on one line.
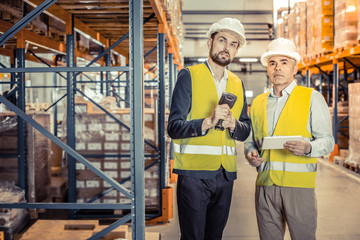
[(338, 205)]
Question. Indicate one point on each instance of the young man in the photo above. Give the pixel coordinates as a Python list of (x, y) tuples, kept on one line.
[(205, 159), (286, 177)]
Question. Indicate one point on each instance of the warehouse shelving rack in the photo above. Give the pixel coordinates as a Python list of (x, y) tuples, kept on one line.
[(134, 69), (336, 67)]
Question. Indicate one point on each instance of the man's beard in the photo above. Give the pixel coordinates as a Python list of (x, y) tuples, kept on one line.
[(215, 57)]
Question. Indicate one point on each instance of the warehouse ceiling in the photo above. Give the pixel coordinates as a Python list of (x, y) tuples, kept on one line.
[(109, 18), (255, 15)]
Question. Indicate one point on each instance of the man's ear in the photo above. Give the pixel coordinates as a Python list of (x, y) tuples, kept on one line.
[(295, 69), (209, 42)]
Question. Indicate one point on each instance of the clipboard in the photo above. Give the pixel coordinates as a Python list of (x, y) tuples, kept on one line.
[(277, 142)]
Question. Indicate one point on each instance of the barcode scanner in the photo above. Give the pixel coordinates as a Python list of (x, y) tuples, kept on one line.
[(229, 99)]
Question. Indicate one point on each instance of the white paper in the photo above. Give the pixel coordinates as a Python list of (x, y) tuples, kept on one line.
[(277, 142)]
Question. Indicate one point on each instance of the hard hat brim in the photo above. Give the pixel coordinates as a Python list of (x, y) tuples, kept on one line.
[(239, 36), (265, 57)]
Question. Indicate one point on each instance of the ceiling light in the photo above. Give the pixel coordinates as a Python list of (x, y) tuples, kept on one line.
[(249, 93), (249, 60), (201, 59)]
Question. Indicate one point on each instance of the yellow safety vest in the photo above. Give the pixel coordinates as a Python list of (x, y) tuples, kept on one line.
[(207, 153), (280, 166)]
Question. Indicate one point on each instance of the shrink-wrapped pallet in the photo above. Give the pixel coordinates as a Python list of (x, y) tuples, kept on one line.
[(300, 10), (293, 27), (283, 26), (297, 27), (346, 23), (354, 124), (280, 28), (310, 27), (37, 157)]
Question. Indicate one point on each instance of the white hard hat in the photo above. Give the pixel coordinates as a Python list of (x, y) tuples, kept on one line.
[(231, 25), (280, 46)]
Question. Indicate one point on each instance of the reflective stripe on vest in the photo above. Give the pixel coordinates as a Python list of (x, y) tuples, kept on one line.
[(207, 150), (288, 167)]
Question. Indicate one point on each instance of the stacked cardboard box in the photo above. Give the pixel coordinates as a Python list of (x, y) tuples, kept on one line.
[(310, 27), (346, 23), (354, 123), (99, 134), (358, 37), (283, 25), (297, 27), (324, 29), (173, 10)]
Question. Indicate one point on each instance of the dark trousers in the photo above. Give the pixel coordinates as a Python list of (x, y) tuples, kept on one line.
[(203, 206)]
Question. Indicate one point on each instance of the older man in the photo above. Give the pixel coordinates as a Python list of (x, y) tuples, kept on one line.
[(286, 177)]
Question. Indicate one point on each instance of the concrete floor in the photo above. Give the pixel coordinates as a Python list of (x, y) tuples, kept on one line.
[(337, 194)]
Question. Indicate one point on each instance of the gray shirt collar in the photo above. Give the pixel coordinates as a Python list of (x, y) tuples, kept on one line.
[(287, 91)]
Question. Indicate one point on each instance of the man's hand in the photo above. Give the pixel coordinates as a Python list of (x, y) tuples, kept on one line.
[(298, 148), (220, 112), (253, 158), (229, 122)]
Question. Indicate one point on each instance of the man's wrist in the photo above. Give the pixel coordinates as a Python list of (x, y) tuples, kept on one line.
[(308, 149), (207, 123)]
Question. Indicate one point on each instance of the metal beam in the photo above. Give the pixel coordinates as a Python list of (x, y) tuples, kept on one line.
[(55, 103), (25, 20), (65, 205), (322, 71), (62, 145), (114, 45), (247, 39), (136, 114), (41, 60), (149, 52), (335, 101), (308, 78), (209, 23), (110, 228), (21, 128), (63, 69), (227, 12), (171, 76), (99, 195), (2, 65), (203, 32), (161, 115), (70, 113)]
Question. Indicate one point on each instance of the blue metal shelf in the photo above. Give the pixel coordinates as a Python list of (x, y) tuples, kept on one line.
[(134, 86)]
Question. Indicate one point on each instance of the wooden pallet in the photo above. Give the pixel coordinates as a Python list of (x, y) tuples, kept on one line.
[(77, 229), (69, 230), (338, 50), (322, 54), (352, 166)]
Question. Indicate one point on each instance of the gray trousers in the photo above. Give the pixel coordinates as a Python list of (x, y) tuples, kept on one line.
[(276, 206)]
